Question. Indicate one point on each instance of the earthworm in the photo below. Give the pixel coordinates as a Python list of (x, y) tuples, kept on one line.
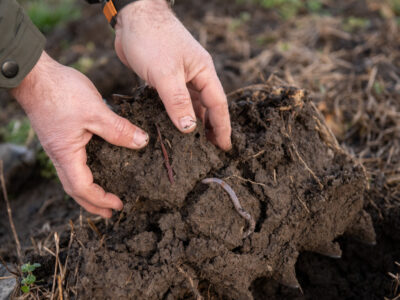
[(166, 159), (244, 214)]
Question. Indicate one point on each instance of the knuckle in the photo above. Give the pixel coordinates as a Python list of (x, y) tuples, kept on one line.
[(180, 101), (121, 127), (168, 71), (205, 59)]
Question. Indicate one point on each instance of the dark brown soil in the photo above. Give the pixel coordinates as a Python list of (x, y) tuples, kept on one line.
[(173, 240), (353, 77)]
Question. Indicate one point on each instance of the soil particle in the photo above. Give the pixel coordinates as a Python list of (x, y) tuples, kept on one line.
[(286, 168), (143, 244)]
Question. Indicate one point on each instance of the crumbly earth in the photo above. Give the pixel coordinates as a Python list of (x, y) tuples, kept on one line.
[(180, 240)]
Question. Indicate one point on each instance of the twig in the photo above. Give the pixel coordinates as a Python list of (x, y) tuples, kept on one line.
[(93, 227), (256, 155), (49, 251), (57, 240), (190, 279), (116, 225), (14, 231), (245, 180), (71, 239), (129, 279), (76, 270), (321, 186), (298, 197), (166, 158), (302, 202), (60, 293), (328, 130)]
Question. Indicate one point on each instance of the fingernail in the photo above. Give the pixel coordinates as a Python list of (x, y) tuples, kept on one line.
[(187, 123), (140, 138)]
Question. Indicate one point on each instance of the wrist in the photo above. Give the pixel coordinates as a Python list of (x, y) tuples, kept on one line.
[(26, 92), (146, 6), (139, 9)]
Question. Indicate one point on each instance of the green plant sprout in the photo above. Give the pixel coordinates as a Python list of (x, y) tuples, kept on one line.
[(28, 278)]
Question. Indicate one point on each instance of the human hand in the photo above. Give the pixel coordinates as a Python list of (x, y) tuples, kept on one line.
[(151, 40), (65, 109)]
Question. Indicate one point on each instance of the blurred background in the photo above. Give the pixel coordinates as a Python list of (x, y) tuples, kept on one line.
[(346, 53)]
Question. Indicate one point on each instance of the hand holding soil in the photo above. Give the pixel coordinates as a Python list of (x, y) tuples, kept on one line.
[(65, 110), (152, 41)]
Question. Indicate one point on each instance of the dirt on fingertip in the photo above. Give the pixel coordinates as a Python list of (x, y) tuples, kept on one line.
[(186, 239)]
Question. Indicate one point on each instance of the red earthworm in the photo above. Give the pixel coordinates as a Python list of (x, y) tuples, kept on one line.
[(238, 207), (166, 159)]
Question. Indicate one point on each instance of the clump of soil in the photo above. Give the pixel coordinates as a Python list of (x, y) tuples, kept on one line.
[(180, 240)]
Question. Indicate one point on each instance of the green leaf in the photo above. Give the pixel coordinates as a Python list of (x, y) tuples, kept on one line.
[(25, 289), (29, 279), (36, 265), (25, 268), (28, 268)]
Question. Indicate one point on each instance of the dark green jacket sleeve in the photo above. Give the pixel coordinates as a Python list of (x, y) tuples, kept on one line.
[(21, 44)]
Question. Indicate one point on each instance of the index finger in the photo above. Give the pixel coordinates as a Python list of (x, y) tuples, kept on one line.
[(213, 98)]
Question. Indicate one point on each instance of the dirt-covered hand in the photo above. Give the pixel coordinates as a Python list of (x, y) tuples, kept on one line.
[(154, 43), (65, 110)]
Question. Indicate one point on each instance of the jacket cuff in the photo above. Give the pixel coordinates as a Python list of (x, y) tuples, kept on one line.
[(23, 52)]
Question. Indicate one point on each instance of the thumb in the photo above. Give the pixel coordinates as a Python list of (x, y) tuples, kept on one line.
[(176, 98), (118, 131)]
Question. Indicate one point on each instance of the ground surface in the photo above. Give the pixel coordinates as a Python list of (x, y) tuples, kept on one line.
[(347, 56)]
